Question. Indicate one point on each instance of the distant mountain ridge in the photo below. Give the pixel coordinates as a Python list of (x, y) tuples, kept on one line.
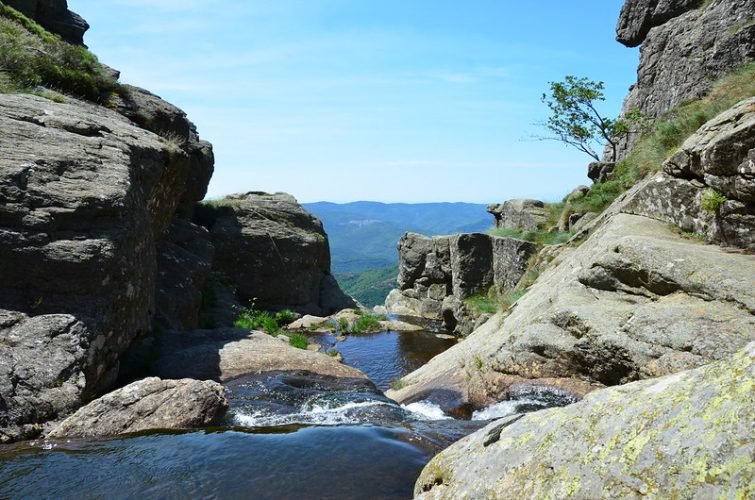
[(363, 234)]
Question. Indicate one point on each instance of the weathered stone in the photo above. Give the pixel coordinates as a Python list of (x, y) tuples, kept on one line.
[(639, 16), (600, 171), (433, 269), (276, 253), (306, 322), (184, 259), (148, 404), (581, 221), (85, 195), (224, 354), (719, 156), (521, 215), (687, 435), (577, 193), (54, 16), (682, 57), (615, 309)]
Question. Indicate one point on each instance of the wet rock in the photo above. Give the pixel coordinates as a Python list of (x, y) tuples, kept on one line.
[(54, 16), (521, 215), (651, 438), (624, 305), (148, 404), (275, 252)]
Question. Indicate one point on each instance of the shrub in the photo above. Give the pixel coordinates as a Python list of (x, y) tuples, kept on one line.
[(298, 340), (284, 317), (481, 304), (249, 318), (398, 384), (541, 237), (712, 201)]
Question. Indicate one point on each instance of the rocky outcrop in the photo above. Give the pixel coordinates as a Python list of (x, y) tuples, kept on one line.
[(634, 301), (148, 404), (520, 215), (86, 195), (437, 274), (683, 51), (708, 186), (687, 435), (54, 16), (225, 354), (275, 253)]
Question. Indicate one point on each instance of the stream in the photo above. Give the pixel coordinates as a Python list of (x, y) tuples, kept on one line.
[(287, 435)]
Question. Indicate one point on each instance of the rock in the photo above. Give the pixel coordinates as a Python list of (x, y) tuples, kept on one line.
[(148, 404), (433, 269), (400, 326), (682, 57), (719, 156), (687, 435), (600, 171), (85, 196), (521, 215), (184, 259), (54, 16), (275, 252), (581, 221), (577, 193), (225, 354), (639, 16), (307, 322), (622, 306)]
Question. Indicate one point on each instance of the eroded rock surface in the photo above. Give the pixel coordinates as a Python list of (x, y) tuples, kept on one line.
[(54, 16), (520, 215), (275, 252), (633, 301), (148, 404), (687, 435), (437, 274)]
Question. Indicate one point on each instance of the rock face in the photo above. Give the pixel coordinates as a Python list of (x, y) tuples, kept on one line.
[(437, 274), (54, 16), (146, 405), (687, 435), (684, 49), (634, 301), (275, 252), (521, 215), (718, 158)]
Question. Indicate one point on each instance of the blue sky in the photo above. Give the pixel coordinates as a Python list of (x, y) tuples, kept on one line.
[(386, 100)]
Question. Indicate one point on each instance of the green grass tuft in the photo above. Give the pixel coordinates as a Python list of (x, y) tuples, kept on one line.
[(481, 304), (298, 340), (712, 201), (541, 237)]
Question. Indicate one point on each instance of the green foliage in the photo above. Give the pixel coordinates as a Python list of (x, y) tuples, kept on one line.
[(298, 340), (369, 287), (284, 317), (30, 57), (249, 318), (508, 299), (478, 362), (481, 304), (712, 201), (365, 323), (333, 353), (576, 121), (398, 384), (598, 198), (541, 237)]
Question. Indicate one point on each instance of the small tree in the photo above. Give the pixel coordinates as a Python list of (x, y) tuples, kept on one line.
[(576, 121)]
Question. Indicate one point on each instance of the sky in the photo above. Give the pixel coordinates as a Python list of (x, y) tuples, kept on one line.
[(384, 100)]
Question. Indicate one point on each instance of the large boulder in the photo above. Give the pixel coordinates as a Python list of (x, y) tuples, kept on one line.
[(54, 16), (708, 186), (275, 252), (520, 215), (85, 196), (685, 50), (437, 274), (687, 435), (635, 300), (148, 404)]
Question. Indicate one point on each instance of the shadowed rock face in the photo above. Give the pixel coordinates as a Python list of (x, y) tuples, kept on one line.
[(683, 49), (54, 16), (275, 252), (146, 405), (687, 435), (437, 274)]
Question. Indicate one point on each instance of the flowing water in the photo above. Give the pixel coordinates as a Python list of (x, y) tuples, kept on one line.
[(288, 435)]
